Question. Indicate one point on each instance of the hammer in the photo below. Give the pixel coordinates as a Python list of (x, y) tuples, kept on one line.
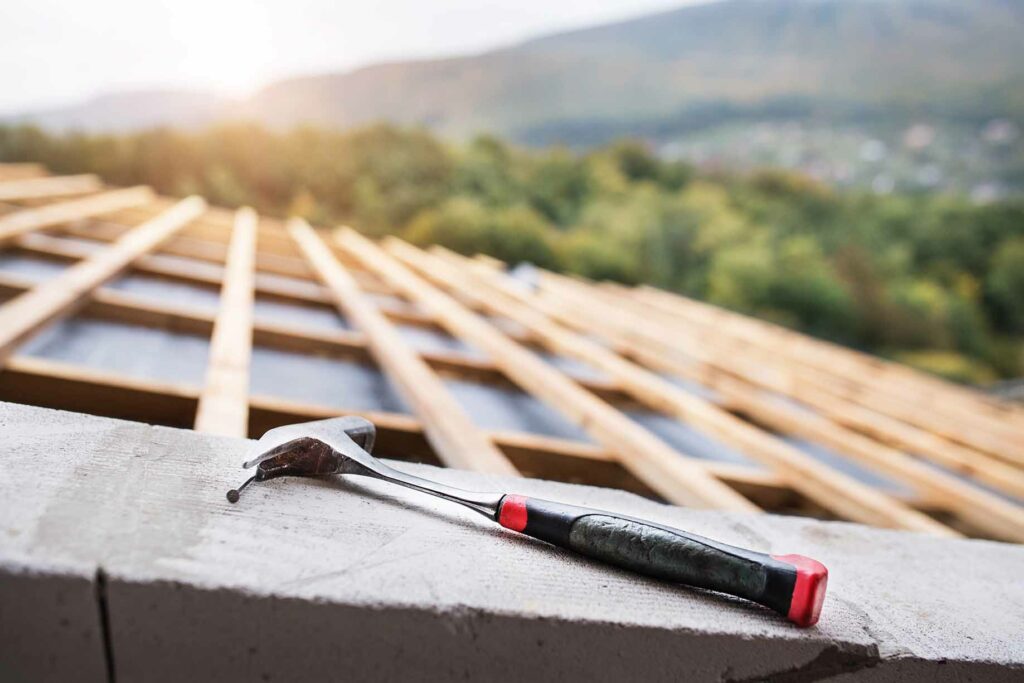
[(792, 585)]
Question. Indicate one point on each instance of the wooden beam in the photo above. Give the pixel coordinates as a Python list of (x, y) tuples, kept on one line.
[(25, 314), (56, 186), (224, 401), (66, 386), (992, 514), (455, 438), (767, 371), (17, 171), (700, 359), (678, 478), (534, 455), (988, 513), (211, 275), (985, 511), (853, 366), (827, 487), (202, 249), (925, 404), (290, 268), (118, 306), (27, 220), (216, 227)]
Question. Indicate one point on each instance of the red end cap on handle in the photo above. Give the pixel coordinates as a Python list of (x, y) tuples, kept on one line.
[(809, 591)]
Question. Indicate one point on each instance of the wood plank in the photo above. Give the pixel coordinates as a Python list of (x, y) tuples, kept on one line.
[(875, 385), (666, 471), (993, 515), (673, 351), (455, 438), (830, 489), (806, 384), (27, 220), (216, 225), (199, 248), (25, 314), (210, 275), (855, 366), (118, 306), (996, 516), (18, 171), (213, 253), (224, 401), (985, 512), (72, 387), (53, 186)]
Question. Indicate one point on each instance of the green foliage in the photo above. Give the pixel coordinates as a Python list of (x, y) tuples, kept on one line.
[(466, 225), (933, 280), (1006, 284)]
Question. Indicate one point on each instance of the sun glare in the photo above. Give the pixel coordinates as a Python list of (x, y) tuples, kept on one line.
[(225, 46)]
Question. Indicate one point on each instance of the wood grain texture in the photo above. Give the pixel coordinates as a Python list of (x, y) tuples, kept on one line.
[(691, 356), (26, 313), (456, 440), (990, 513), (661, 467), (73, 387), (115, 305), (55, 186), (27, 220), (829, 488), (758, 379), (224, 401), (18, 171), (870, 383)]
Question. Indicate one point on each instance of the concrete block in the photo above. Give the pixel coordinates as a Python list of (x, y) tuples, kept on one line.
[(50, 626), (356, 579)]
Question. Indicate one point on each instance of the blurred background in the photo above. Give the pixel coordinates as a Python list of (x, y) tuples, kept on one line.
[(850, 168)]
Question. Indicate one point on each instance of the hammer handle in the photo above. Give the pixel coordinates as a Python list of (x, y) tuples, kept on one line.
[(792, 585)]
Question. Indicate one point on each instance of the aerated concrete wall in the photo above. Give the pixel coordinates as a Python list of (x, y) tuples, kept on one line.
[(120, 559)]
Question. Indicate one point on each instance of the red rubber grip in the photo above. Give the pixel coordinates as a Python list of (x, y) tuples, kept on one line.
[(809, 591), (513, 512)]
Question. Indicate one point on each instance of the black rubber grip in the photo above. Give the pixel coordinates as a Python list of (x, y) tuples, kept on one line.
[(663, 552)]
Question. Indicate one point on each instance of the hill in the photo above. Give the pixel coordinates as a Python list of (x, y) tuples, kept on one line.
[(695, 66), (133, 110), (656, 75)]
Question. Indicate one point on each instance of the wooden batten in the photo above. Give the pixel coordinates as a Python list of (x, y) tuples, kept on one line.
[(27, 313), (41, 188), (26, 220), (763, 385), (995, 515), (224, 401), (829, 488), (662, 468), (456, 440)]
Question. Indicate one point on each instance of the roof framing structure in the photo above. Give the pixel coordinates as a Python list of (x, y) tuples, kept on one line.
[(816, 429)]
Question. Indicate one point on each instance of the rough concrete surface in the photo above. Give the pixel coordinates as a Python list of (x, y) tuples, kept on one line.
[(117, 548)]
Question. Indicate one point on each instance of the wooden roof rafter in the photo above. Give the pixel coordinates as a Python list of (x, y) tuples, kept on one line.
[(986, 510), (856, 405)]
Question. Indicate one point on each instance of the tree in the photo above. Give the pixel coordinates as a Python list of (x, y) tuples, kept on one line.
[(1005, 285), (932, 274)]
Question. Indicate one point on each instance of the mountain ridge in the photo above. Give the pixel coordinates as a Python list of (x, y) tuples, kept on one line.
[(733, 57)]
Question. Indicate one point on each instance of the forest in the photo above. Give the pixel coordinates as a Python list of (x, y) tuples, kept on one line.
[(928, 279)]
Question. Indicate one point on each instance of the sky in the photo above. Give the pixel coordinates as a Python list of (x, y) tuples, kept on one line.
[(55, 52)]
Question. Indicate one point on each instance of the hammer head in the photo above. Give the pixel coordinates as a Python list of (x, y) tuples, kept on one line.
[(311, 448)]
